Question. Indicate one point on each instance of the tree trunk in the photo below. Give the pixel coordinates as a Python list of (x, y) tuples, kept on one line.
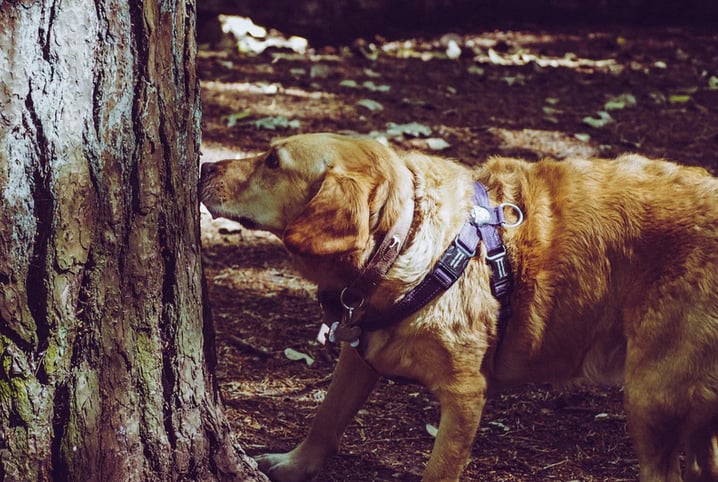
[(107, 355)]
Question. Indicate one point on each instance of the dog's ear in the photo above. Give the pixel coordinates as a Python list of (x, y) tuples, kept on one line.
[(335, 221)]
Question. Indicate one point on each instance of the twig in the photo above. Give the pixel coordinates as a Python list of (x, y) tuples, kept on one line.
[(242, 345), (551, 466), (279, 392)]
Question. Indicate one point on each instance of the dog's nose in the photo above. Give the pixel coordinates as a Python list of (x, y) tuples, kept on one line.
[(208, 169)]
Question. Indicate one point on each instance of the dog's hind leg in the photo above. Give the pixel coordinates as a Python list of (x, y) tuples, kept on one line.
[(352, 382), (654, 420), (657, 446), (702, 453)]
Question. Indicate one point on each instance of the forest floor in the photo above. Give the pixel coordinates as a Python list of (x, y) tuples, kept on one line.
[(522, 92)]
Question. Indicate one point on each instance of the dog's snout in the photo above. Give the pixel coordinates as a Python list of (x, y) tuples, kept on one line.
[(208, 169)]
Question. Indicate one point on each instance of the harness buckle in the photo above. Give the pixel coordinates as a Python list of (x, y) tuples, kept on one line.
[(452, 263), (498, 263), (501, 272)]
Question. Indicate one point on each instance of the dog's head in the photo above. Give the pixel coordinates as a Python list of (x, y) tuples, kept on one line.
[(321, 193)]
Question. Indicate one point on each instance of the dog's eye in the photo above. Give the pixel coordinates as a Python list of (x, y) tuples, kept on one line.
[(272, 160)]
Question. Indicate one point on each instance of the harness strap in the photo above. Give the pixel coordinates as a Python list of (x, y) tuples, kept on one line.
[(386, 253), (337, 305), (480, 227), (501, 274)]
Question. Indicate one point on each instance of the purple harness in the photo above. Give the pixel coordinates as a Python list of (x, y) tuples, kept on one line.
[(481, 226)]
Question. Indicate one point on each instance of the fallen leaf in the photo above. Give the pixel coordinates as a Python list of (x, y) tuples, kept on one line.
[(413, 129), (319, 71), (603, 119), (437, 144), (352, 84), (276, 122), (620, 102), (582, 137), (295, 355), (371, 52), (679, 98), (376, 88), (499, 425), (495, 58), (371, 105), (551, 110), (453, 51), (518, 79), (233, 118), (413, 101)]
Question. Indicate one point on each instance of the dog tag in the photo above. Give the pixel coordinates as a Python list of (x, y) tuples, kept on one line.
[(341, 332), (324, 330)]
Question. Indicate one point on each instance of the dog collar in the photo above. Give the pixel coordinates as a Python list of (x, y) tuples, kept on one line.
[(481, 226), (352, 297)]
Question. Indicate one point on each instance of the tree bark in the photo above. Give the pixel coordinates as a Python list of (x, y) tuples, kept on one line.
[(106, 352)]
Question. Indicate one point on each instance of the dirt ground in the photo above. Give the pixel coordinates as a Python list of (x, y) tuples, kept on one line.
[(521, 92)]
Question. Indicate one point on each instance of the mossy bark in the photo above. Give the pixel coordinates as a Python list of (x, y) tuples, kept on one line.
[(106, 352)]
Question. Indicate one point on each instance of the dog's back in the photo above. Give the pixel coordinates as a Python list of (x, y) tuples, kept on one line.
[(618, 281)]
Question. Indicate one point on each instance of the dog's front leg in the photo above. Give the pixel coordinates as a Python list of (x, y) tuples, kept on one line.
[(460, 417), (352, 382)]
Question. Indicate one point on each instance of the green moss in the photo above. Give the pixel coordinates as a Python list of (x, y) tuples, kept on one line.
[(84, 415), (147, 359), (5, 396), (52, 355), (23, 390)]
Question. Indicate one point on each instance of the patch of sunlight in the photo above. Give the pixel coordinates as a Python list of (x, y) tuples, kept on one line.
[(263, 99), (553, 144), (254, 39), (568, 60), (272, 280), (491, 48), (262, 88)]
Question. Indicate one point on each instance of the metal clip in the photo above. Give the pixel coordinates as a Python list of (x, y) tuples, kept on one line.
[(517, 210), (344, 330), (480, 216), (348, 303)]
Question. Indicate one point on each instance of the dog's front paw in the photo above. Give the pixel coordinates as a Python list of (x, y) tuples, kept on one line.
[(286, 467)]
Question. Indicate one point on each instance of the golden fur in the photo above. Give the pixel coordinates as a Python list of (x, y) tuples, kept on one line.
[(616, 280)]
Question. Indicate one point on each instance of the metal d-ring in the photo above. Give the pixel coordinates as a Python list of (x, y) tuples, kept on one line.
[(517, 210), (346, 303)]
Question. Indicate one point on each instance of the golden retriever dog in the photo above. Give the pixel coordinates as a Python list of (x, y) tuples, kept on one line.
[(615, 280)]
